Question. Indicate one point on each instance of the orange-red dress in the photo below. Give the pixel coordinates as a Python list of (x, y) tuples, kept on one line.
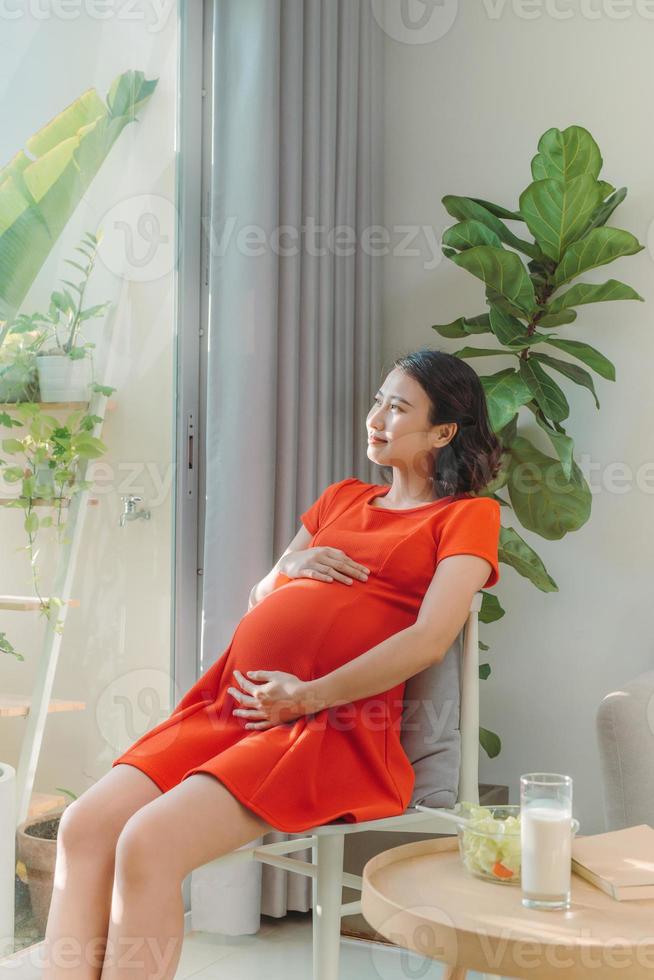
[(346, 762)]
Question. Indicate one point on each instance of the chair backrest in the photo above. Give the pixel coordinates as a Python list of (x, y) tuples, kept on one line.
[(440, 722), (625, 737)]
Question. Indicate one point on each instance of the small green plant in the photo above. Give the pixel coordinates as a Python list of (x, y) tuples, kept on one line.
[(60, 329), (50, 452), (565, 208), (46, 462)]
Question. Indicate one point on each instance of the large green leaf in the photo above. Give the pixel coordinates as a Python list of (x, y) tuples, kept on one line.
[(605, 188), (464, 208), (490, 742), (589, 355), (502, 271), (543, 500), (562, 443), (493, 298), (505, 392), (557, 213), (566, 154), (556, 319), (511, 332), (491, 610), (514, 550), (479, 352), (498, 210), (545, 390), (572, 371), (599, 247), (586, 292), (508, 330), (470, 233), (602, 214), (464, 326), (39, 192)]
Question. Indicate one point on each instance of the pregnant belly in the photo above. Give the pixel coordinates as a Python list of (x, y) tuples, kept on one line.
[(309, 628)]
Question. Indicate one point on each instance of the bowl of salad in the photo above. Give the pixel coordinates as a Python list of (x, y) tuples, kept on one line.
[(489, 842), (489, 838)]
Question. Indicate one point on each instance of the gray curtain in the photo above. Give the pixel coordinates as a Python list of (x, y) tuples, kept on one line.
[(294, 346)]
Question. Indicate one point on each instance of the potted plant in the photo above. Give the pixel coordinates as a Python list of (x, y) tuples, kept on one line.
[(64, 364), (565, 208), (52, 453), (36, 850)]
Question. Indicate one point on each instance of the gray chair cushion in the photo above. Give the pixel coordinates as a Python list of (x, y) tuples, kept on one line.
[(625, 735), (430, 733)]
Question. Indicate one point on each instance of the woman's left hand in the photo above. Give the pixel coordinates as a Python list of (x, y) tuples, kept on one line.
[(277, 698)]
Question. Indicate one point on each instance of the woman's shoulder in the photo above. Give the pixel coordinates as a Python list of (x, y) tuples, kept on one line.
[(349, 483), (470, 507)]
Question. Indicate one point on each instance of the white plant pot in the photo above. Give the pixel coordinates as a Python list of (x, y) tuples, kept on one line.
[(62, 379), (7, 857)]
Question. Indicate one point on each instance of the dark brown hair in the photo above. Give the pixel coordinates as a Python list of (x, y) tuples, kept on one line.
[(473, 457)]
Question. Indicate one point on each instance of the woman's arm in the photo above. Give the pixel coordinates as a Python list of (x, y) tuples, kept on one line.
[(301, 541), (441, 618)]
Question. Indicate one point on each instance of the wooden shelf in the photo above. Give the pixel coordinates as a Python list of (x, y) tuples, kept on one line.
[(27, 603), (41, 502), (18, 705)]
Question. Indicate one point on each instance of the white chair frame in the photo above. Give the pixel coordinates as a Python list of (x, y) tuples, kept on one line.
[(327, 841)]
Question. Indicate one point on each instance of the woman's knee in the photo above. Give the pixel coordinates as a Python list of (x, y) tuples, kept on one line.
[(82, 829), (96, 818), (141, 854)]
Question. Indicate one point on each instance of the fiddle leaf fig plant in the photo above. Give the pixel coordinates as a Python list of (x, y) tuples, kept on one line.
[(531, 287)]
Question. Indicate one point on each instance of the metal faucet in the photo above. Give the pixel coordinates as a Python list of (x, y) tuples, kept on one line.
[(130, 512)]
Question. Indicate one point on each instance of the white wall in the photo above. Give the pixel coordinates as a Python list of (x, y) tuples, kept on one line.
[(463, 116)]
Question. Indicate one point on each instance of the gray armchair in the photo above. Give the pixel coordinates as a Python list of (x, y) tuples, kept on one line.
[(625, 734)]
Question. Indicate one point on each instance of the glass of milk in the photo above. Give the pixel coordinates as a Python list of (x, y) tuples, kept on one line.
[(546, 830)]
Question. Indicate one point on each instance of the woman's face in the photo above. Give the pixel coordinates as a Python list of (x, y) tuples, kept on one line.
[(400, 417)]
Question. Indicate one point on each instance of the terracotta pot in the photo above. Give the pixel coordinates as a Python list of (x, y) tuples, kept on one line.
[(38, 854)]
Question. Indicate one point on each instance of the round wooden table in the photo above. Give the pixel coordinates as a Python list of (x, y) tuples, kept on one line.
[(419, 896)]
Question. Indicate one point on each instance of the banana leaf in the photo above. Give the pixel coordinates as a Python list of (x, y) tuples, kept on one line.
[(40, 192)]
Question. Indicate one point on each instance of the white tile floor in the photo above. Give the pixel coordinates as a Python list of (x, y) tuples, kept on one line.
[(281, 950)]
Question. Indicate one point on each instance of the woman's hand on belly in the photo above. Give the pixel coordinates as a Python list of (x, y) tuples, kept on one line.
[(277, 698)]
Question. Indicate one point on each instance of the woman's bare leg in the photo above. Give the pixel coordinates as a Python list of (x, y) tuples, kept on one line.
[(193, 823), (78, 919)]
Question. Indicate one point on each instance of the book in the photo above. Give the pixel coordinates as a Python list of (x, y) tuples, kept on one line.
[(620, 862)]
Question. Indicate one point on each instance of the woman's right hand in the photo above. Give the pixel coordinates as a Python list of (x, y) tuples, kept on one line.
[(324, 563)]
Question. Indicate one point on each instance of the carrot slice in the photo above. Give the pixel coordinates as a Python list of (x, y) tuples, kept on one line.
[(501, 871)]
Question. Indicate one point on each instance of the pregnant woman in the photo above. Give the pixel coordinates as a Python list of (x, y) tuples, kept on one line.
[(297, 722)]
